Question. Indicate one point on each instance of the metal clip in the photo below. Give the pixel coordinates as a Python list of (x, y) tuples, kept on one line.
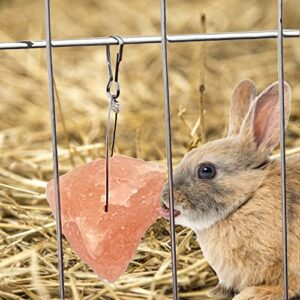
[(113, 96), (113, 105)]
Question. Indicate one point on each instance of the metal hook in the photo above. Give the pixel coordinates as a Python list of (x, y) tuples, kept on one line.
[(113, 105), (114, 79)]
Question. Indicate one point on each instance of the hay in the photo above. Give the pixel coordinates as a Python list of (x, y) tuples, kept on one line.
[(28, 261)]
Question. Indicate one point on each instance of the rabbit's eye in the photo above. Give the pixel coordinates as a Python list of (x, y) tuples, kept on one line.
[(206, 171)]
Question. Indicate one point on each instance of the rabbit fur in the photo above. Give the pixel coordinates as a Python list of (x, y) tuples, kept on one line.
[(237, 214)]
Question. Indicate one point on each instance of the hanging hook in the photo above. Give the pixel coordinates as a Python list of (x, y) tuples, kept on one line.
[(113, 105), (113, 96)]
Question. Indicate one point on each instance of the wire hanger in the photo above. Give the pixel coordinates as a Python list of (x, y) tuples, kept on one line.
[(113, 105)]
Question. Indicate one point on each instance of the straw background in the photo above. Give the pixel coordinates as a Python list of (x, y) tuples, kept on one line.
[(28, 262)]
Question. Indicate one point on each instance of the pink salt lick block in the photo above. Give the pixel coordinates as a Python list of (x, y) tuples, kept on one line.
[(107, 241)]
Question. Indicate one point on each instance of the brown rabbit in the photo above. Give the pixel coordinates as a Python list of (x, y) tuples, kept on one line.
[(228, 192)]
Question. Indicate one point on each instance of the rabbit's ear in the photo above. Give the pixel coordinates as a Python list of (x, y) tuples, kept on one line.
[(243, 95), (262, 124)]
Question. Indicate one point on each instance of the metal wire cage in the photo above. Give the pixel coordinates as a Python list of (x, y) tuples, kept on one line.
[(164, 39)]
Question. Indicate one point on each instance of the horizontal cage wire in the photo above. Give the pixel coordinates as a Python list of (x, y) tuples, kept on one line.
[(135, 40), (164, 39)]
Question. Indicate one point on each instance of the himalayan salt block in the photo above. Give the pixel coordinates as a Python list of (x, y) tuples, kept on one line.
[(107, 241)]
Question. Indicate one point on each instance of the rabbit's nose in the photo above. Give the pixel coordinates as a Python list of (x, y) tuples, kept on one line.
[(165, 211)]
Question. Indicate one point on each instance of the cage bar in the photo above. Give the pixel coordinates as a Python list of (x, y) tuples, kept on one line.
[(133, 40), (164, 48), (282, 147), (55, 153)]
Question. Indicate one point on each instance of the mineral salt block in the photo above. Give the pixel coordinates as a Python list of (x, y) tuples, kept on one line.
[(107, 241)]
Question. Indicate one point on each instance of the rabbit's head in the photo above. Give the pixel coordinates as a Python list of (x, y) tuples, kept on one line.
[(215, 179)]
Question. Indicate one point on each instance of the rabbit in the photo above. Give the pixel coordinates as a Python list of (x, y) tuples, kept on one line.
[(229, 192)]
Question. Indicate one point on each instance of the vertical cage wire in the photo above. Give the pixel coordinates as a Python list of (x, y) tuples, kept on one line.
[(54, 148), (168, 143), (282, 146)]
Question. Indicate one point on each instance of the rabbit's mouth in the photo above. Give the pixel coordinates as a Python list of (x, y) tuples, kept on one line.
[(165, 211)]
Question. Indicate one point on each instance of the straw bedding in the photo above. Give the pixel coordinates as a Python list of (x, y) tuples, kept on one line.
[(28, 261)]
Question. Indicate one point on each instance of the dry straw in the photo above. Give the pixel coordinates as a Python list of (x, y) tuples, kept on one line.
[(28, 262)]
